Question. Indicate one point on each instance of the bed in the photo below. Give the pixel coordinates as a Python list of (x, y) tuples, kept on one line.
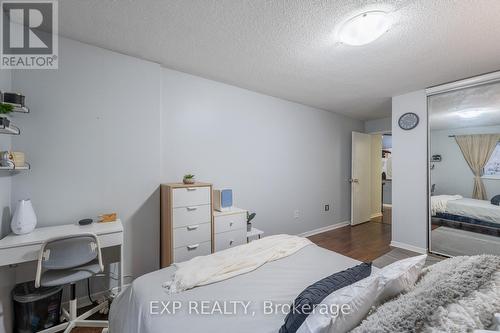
[(460, 293), (467, 214), (278, 281)]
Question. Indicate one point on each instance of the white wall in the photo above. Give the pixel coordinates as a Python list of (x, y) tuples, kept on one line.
[(5, 177), (93, 140), (106, 129), (7, 275), (277, 156), (452, 175), (382, 125), (409, 170)]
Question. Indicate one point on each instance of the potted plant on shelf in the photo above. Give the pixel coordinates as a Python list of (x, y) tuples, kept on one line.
[(250, 217), (188, 179), (5, 109)]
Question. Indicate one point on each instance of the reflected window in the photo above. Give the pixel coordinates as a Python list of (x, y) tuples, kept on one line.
[(492, 168)]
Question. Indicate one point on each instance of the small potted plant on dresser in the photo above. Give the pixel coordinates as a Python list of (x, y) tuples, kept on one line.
[(188, 179), (250, 217)]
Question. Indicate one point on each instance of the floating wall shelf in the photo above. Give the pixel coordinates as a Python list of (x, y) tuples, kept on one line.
[(12, 130), (21, 168), (21, 109)]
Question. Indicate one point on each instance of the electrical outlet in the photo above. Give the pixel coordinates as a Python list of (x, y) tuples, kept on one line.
[(327, 208), (296, 214)]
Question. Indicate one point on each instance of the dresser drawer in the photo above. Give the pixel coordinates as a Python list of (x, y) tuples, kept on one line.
[(183, 216), (229, 239), (191, 196), (196, 233), (226, 223), (187, 252)]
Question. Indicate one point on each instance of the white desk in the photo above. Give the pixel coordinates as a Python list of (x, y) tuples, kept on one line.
[(16, 249)]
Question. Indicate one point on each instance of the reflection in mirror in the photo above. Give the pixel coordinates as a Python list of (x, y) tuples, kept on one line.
[(464, 177)]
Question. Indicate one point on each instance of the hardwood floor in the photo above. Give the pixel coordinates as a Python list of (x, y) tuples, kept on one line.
[(364, 242)]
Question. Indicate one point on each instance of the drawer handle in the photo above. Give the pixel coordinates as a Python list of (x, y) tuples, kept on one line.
[(231, 224), (191, 188), (190, 209), (193, 247), (231, 242), (192, 227)]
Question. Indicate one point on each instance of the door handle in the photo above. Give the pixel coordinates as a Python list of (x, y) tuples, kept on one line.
[(193, 247), (353, 180), (192, 227)]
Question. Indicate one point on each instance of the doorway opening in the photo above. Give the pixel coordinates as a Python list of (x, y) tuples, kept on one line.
[(386, 208), (371, 187)]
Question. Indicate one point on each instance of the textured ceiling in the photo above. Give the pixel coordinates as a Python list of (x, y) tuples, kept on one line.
[(285, 48), (484, 100)]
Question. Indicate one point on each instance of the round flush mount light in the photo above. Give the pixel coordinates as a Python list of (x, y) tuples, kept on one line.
[(364, 28), (472, 112)]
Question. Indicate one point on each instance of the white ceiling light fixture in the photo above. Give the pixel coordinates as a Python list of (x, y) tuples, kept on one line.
[(473, 112), (364, 28)]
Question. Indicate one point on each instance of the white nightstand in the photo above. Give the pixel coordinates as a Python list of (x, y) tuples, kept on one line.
[(254, 233), (230, 228)]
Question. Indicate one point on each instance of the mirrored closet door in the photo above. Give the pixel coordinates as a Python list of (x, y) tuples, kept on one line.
[(464, 170)]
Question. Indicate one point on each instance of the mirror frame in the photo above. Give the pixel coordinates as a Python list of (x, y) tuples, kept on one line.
[(479, 80)]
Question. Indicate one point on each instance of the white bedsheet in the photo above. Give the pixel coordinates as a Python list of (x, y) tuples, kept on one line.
[(279, 281), (477, 209)]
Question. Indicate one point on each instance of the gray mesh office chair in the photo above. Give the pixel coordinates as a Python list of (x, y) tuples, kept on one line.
[(67, 260)]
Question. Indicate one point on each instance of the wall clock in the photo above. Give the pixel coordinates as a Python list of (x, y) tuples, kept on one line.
[(408, 121)]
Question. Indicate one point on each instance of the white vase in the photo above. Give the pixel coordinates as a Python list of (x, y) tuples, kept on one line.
[(24, 219)]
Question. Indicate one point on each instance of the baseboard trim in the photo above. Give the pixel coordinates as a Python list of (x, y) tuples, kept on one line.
[(324, 229), (408, 247), (376, 215)]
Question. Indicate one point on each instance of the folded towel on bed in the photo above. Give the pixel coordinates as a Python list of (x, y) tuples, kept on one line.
[(438, 202), (238, 260)]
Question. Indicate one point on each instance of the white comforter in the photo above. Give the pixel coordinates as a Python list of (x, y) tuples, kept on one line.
[(476, 209), (440, 202), (279, 281), (242, 259)]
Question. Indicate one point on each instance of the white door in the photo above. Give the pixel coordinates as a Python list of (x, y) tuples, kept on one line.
[(360, 178)]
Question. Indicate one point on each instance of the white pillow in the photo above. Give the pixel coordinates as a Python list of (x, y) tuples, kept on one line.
[(362, 295), (399, 276)]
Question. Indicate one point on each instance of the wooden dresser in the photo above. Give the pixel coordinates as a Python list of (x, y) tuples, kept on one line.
[(186, 222)]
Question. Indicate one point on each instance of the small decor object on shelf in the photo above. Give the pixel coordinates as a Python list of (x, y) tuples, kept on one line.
[(250, 217), (5, 109), (24, 219), (14, 99), (408, 121), (110, 217), (4, 121), (14, 158), (17, 101), (188, 179)]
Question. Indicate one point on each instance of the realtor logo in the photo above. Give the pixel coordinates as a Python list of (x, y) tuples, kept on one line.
[(29, 34)]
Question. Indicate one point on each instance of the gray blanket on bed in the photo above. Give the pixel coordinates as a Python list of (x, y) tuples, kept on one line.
[(441, 285)]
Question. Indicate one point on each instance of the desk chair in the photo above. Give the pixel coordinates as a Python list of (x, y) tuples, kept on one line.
[(67, 260)]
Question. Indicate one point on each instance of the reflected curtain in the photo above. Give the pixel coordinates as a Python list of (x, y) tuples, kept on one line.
[(477, 150)]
